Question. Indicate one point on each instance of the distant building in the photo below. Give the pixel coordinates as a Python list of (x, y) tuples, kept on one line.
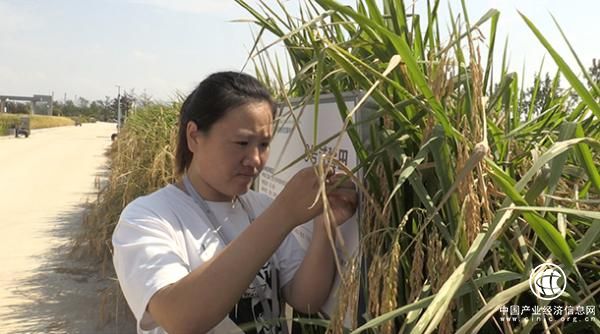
[(40, 104)]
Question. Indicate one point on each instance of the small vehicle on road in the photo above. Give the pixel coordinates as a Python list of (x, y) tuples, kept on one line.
[(23, 127)]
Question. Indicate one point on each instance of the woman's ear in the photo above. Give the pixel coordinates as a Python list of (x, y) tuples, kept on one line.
[(191, 134)]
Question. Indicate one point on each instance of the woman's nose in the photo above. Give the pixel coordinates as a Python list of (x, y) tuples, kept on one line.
[(253, 157)]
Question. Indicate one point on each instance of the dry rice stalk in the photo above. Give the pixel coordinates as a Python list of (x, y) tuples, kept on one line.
[(390, 289), (371, 223), (408, 85), (375, 288), (372, 245), (477, 101), (434, 255), (113, 307), (352, 289), (447, 323), (485, 202), (467, 192), (439, 80), (434, 260), (472, 215), (416, 278), (382, 283), (430, 123), (447, 262), (440, 265), (347, 297)]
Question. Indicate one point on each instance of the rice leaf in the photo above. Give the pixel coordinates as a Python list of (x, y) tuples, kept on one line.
[(565, 69)]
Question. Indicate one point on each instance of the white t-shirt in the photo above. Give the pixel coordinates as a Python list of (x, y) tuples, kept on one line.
[(162, 237)]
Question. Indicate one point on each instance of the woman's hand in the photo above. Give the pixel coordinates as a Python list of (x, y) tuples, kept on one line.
[(343, 198), (313, 281), (298, 196)]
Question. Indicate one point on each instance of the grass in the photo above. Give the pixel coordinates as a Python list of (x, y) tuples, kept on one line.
[(36, 121)]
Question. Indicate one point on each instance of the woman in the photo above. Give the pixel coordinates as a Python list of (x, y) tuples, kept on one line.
[(207, 254)]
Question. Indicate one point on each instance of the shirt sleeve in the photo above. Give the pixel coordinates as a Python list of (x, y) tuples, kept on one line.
[(146, 258)]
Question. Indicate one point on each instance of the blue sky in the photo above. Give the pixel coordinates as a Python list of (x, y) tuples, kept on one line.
[(85, 48)]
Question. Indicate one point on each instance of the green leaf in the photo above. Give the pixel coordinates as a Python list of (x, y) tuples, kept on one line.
[(565, 69), (585, 155), (592, 236), (581, 66), (491, 307), (403, 49), (501, 276), (575, 212), (490, 58), (546, 231)]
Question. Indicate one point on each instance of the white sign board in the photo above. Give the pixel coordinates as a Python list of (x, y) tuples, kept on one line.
[(287, 146)]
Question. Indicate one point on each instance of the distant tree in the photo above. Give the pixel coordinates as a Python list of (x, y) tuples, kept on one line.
[(127, 101), (70, 109), (18, 107), (546, 91), (97, 110), (57, 108), (103, 110), (595, 71), (144, 99), (108, 113), (82, 103)]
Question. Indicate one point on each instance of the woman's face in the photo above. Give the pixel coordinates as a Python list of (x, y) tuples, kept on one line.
[(232, 153)]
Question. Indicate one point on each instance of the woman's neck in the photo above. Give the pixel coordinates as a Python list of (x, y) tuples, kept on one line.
[(205, 190)]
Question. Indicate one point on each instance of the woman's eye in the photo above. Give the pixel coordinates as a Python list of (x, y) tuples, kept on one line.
[(265, 145), (242, 143)]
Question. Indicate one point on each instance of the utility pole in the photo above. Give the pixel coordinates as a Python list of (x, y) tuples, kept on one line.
[(119, 109)]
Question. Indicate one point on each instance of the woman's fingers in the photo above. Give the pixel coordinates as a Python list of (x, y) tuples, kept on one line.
[(345, 195), (343, 189), (340, 181), (343, 203), (302, 190), (300, 193)]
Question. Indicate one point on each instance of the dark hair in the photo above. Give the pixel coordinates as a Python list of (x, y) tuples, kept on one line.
[(209, 102)]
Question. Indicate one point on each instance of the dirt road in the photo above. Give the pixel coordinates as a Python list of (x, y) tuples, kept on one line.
[(45, 182)]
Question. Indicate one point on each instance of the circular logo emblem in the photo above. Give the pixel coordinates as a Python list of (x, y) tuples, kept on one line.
[(547, 281)]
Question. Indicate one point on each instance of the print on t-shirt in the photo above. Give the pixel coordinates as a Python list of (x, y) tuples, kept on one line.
[(249, 309)]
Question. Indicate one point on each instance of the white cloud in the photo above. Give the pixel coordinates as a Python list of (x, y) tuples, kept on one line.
[(194, 6)]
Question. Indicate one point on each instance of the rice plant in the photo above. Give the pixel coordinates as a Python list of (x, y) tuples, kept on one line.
[(466, 190), (141, 160)]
